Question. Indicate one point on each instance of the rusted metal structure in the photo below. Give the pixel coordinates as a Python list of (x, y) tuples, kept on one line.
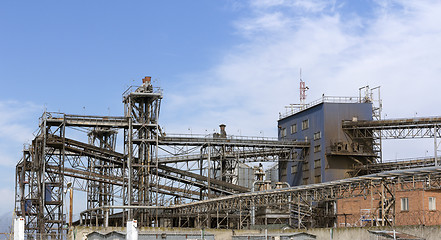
[(191, 168), (188, 180), (235, 211)]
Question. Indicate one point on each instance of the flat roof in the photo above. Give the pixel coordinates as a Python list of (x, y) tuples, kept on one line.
[(296, 108)]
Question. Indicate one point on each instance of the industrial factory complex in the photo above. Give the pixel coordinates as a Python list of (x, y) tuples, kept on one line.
[(325, 170)]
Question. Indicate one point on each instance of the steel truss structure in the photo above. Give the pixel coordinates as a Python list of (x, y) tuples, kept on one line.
[(367, 131), (395, 128), (236, 211), (393, 165), (185, 180), (152, 170)]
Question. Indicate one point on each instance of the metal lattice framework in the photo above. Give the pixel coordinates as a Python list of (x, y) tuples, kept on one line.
[(141, 109), (367, 131), (100, 193), (299, 201), (188, 180), (40, 192), (395, 128), (190, 168), (393, 165)]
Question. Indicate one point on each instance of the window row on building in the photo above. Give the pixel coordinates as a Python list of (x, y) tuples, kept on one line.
[(317, 148), (293, 129), (316, 172), (405, 204)]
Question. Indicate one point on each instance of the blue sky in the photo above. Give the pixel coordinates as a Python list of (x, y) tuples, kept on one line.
[(232, 62)]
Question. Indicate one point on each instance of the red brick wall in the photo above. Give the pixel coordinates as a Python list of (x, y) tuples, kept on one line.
[(355, 211)]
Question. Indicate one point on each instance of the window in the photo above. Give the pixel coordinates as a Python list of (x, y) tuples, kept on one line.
[(305, 176), (317, 135), (305, 181), (432, 203), (317, 163), (317, 179), (305, 124), (294, 169), (283, 132), (306, 167), (404, 204), (317, 148), (293, 128)]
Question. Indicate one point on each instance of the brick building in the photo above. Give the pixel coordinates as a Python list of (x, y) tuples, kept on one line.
[(417, 207)]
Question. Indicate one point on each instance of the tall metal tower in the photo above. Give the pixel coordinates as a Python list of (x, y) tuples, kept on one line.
[(39, 196), (303, 89), (141, 108), (372, 95), (99, 193)]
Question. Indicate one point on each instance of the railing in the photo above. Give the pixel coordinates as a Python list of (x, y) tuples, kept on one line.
[(134, 88), (294, 108), (95, 118), (406, 163), (51, 115), (62, 116), (409, 159), (211, 136), (195, 138), (396, 122)]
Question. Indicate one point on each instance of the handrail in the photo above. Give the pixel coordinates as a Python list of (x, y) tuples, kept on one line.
[(295, 108), (133, 88), (210, 136)]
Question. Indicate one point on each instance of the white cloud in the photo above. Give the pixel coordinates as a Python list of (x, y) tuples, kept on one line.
[(269, 17), (397, 47), (7, 199), (8, 159), (272, 22), (15, 129), (303, 5), (14, 123)]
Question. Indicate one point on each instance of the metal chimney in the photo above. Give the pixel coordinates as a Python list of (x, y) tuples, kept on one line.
[(147, 79), (223, 133)]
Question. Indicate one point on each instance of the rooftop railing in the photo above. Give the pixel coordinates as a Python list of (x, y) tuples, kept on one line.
[(295, 108), (134, 88)]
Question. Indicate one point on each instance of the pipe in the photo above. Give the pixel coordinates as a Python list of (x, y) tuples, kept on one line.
[(435, 132), (70, 206), (253, 207)]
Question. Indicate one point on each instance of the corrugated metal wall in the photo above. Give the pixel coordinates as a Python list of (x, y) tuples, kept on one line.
[(246, 176), (324, 128)]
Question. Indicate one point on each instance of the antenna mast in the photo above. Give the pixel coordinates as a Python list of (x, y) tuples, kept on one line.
[(303, 89)]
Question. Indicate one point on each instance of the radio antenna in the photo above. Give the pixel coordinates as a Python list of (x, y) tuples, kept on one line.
[(303, 89)]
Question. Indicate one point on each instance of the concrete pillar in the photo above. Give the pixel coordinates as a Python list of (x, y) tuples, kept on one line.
[(132, 230), (19, 228)]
